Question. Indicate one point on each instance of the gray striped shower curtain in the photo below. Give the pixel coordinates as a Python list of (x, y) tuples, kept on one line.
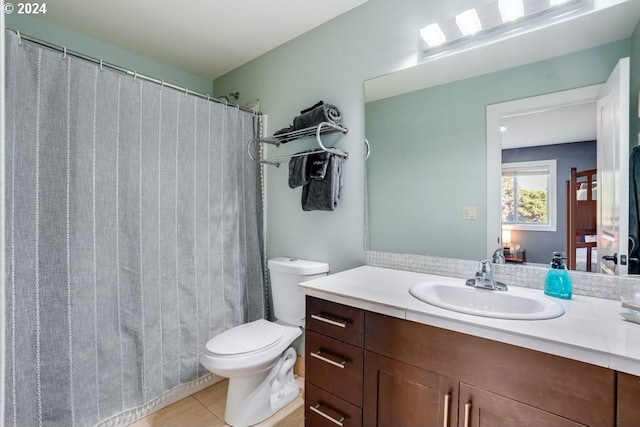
[(133, 222)]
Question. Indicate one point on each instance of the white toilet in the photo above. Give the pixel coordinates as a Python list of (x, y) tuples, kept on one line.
[(257, 357)]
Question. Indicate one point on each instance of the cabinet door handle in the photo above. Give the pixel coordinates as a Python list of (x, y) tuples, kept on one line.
[(318, 355), (338, 323), (447, 403), (317, 410), (467, 413)]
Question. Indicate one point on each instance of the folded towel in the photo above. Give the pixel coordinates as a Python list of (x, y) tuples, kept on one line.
[(298, 170), (310, 117), (323, 194), (317, 164)]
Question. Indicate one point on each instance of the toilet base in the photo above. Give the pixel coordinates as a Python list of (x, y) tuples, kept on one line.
[(255, 398)]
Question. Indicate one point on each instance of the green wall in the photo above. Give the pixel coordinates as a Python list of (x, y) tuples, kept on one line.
[(55, 34), (331, 63), (428, 150)]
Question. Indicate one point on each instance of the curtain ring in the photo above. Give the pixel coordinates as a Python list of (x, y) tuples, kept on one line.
[(19, 37), (186, 91), (101, 69), (135, 75), (64, 52), (161, 84), (208, 97)]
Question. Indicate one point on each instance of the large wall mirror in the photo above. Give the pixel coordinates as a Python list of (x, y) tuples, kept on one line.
[(432, 181)]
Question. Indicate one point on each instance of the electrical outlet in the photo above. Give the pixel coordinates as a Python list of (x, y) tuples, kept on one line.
[(469, 212)]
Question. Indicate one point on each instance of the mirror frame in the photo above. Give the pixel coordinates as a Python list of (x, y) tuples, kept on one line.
[(494, 114)]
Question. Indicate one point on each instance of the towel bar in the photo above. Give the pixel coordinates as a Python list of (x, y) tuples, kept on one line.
[(322, 128)]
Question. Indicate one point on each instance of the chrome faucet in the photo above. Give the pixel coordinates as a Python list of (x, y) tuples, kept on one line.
[(498, 256), (484, 278)]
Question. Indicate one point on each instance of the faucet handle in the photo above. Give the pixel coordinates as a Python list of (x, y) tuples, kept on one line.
[(485, 266)]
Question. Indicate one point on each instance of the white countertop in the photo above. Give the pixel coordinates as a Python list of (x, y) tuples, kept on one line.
[(591, 330)]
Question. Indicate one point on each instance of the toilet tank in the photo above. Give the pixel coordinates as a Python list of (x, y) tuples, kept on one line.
[(285, 274)]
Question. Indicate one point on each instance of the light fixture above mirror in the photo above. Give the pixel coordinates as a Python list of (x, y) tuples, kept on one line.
[(497, 17)]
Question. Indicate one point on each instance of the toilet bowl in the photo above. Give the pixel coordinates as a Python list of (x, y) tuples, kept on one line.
[(259, 369), (258, 356)]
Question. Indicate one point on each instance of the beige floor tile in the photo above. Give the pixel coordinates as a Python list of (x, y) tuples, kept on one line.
[(290, 415), (294, 419), (187, 412), (214, 398), (206, 409)]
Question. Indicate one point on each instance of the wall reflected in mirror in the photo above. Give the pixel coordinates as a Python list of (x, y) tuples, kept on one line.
[(428, 162)]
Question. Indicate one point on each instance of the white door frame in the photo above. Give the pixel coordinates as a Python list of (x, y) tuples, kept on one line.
[(495, 113)]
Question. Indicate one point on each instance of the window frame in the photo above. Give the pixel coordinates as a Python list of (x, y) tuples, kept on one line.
[(552, 194)]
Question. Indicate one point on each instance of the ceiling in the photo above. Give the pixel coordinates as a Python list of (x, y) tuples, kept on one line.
[(604, 22), (570, 123), (208, 38)]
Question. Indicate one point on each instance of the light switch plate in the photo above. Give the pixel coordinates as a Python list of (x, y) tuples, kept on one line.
[(469, 212)]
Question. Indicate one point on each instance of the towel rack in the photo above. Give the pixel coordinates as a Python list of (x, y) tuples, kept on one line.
[(320, 129)]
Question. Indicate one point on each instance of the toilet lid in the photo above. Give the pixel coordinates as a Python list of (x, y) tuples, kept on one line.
[(246, 338)]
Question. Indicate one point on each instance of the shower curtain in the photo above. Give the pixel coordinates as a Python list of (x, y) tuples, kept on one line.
[(133, 235)]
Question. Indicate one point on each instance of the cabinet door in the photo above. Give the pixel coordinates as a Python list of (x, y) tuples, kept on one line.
[(628, 400), (482, 408), (401, 395)]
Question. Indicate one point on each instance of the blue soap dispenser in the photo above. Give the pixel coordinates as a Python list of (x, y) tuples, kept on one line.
[(558, 283)]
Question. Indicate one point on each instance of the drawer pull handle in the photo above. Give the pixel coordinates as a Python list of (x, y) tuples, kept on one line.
[(447, 403), (318, 355), (329, 321), (317, 410), (467, 412)]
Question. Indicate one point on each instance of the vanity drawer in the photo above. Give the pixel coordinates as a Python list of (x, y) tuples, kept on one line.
[(334, 366), (336, 320), (322, 407)]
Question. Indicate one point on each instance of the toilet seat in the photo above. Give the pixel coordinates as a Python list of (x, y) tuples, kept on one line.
[(245, 339)]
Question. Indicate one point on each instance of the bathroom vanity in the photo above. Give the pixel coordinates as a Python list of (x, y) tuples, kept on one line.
[(375, 356)]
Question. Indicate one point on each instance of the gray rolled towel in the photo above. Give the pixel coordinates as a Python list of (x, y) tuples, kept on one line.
[(310, 117)]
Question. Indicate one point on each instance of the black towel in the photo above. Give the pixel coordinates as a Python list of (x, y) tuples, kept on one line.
[(317, 164)]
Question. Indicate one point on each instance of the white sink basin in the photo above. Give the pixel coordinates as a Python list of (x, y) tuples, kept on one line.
[(514, 304)]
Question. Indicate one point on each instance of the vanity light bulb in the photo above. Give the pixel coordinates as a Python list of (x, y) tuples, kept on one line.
[(510, 10), (433, 35), (556, 2), (468, 22)]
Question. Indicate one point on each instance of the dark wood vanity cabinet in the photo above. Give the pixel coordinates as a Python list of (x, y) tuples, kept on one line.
[(334, 359), (482, 408), (397, 394), (628, 410), (418, 375)]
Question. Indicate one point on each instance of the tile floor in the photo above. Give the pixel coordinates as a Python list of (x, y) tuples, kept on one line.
[(206, 409)]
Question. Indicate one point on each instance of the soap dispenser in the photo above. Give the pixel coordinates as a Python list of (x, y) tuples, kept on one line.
[(558, 283)]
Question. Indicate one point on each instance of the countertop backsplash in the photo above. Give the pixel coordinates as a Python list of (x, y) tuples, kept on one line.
[(529, 276)]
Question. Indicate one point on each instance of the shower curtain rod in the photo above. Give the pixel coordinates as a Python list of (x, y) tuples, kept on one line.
[(132, 73)]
